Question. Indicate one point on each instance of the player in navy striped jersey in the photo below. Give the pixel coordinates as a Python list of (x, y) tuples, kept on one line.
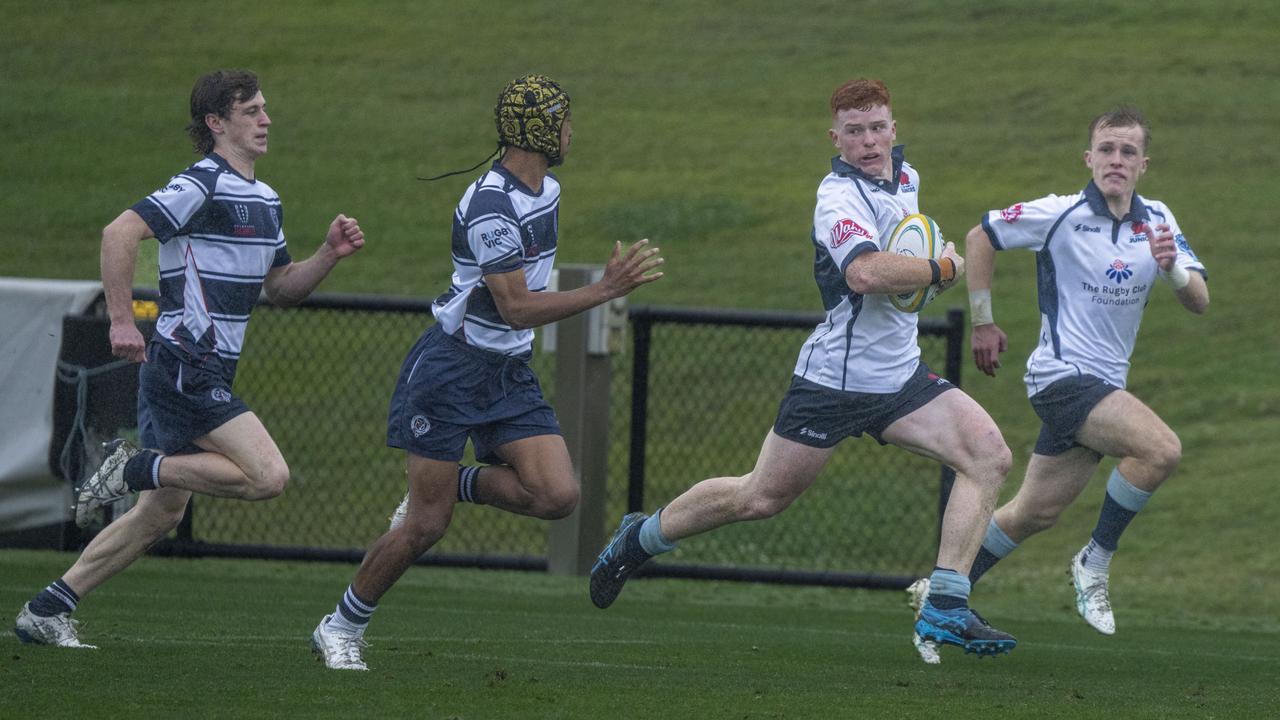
[(859, 372), (468, 377), (1099, 254), (221, 242)]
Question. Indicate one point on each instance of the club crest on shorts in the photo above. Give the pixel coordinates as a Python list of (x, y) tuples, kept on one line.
[(420, 425), (220, 395)]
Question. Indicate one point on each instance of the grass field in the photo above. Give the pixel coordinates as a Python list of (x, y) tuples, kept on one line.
[(217, 638), (702, 126)]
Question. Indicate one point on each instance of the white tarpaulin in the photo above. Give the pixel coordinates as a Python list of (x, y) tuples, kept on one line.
[(31, 314)]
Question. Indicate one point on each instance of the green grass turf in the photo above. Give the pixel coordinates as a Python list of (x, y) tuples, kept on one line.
[(221, 638), (702, 126)]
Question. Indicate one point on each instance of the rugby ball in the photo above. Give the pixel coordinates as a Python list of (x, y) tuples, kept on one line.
[(916, 236)]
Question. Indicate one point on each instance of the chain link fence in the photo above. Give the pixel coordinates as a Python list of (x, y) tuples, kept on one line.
[(320, 376)]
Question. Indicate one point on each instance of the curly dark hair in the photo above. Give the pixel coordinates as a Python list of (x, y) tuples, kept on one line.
[(215, 93)]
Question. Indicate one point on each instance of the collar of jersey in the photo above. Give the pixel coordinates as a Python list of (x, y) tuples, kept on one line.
[(517, 182), (1098, 204), (844, 169), (226, 166)]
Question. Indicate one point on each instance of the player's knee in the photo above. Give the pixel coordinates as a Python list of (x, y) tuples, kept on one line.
[(268, 481), (159, 520), (426, 525), (1167, 454), (1039, 519), (989, 459), (423, 535), (760, 506), (560, 501)]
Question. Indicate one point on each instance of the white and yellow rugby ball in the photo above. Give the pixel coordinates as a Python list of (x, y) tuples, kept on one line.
[(916, 236)]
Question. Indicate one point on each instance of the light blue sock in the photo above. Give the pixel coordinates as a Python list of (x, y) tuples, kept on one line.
[(651, 538), (998, 541), (948, 589), (1122, 503), (995, 547)]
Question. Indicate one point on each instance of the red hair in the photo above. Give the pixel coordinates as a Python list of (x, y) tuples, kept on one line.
[(860, 94)]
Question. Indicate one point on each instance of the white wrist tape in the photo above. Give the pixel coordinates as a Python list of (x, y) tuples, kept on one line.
[(1178, 277), (980, 307)]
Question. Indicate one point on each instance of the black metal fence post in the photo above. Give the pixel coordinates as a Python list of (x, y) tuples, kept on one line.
[(642, 328)]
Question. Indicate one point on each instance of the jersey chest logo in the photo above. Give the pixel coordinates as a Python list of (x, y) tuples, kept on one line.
[(1119, 271)]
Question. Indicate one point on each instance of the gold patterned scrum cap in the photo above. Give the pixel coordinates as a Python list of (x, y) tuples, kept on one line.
[(529, 114)]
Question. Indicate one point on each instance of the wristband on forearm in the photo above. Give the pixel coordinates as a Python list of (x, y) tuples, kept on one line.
[(980, 307), (942, 273), (1177, 278)]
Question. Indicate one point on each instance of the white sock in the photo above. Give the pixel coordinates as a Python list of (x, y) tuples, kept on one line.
[(346, 627), (1097, 558)]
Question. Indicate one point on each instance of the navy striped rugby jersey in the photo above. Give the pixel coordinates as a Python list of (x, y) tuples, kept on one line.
[(500, 226), (220, 234)]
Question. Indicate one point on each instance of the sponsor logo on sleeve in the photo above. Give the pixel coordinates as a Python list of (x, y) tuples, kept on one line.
[(1184, 246), (1011, 213), (845, 230), (491, 238)]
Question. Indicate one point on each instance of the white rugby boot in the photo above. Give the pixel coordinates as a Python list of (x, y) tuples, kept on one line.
[(57, 630), (1093, 602), (917, 593), (338, 650), (107, 485), (402, 510)]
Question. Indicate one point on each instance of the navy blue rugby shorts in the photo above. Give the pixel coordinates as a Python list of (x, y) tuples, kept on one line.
[(819, 416), (449, 391), (179, 402), (1063, 407)]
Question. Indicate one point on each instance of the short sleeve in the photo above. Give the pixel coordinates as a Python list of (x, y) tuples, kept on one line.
[(844, 223), (282, 256), (1186, 257), (493, 234), (1024, 224), (168, 209)]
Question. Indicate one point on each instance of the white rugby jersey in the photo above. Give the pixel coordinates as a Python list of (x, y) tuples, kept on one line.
[(220, 234), (864, 344), (500, 225), (1094, 274)]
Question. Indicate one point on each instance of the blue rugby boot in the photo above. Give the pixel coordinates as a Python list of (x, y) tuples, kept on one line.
[(964, 628), (621, 557)]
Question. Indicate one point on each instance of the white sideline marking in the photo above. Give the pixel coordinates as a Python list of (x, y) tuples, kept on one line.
[(294, 641), (894, 637), (381, 640)]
